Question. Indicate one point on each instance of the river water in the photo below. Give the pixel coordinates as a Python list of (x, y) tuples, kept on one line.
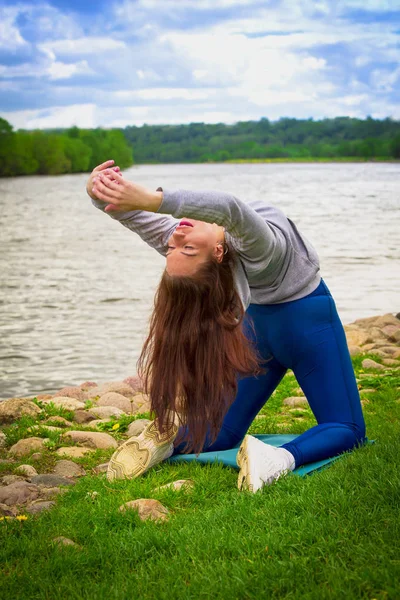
[(77, 287)]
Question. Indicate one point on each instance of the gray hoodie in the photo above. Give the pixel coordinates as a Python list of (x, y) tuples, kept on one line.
[(273, 262)]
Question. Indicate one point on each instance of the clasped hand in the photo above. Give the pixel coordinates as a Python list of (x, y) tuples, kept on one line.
[(108, 185)]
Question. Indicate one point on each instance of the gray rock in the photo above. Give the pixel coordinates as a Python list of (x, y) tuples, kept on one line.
[(86, 385), (72, 392), (147, 509), (72, 452), (391, 362), (101, 468), (135, 383), (294, 401), (375, 335), (26, 471), (13, 409), (49, 480), (137, 427), (57, 422), (118, 401), (39, 506), (388, 351), (3, 440), (48, 428), (354, 350), (105, 412), (118, 387), (67, 468), (9, 479), (83, 416), (63, 541), (180, 484), (20, 492), (8, 511), (26, 446), (387, 319), (356, 336), (91, 439), (142, 402), (68, 403), (94, 424), (48, 493), (37, 456), (367, 363)]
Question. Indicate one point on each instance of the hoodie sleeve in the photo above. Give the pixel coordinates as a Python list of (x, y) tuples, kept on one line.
[(154, 228), (260, 244)]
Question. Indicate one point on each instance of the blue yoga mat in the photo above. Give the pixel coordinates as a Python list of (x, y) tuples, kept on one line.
[(228, 457)]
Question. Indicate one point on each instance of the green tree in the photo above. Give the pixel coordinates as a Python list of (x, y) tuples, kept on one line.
[(49, 153), (78, 154), (395, 146)]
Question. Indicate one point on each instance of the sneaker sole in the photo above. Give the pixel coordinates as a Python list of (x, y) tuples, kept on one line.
[(135, 456), (248, 480), (242, 459)]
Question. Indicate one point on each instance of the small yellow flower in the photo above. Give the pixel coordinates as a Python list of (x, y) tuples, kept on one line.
[(5, 518), (116, 426), (21, 518)]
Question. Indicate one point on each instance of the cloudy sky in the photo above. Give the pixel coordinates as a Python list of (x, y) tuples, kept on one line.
[(121, 62)]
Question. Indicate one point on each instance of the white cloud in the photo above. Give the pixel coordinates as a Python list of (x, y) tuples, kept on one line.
[(10, 37), (371, 5), (174, 93), (82, 115), (59, 70), (385, 79), (196, 4), (51, 68), (81, 46), (270, 63), (353, 100)]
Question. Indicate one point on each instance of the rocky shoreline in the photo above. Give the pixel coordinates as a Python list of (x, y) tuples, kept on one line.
[(56, 431)]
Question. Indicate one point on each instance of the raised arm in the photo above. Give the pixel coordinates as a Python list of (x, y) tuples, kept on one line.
[(255, 239), (154, 228)]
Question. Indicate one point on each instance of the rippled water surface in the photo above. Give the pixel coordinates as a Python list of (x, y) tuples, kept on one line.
[(77, 287)]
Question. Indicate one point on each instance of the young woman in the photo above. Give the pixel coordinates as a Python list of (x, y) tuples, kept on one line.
[(241, 301)]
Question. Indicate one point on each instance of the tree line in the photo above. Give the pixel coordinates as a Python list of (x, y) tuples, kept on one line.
[(339, 138), (72, 150), (77, 150)]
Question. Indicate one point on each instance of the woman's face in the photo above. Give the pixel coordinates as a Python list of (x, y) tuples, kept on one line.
[(192, 244)]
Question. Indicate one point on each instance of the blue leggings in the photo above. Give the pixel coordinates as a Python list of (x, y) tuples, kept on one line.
[(306, 336)]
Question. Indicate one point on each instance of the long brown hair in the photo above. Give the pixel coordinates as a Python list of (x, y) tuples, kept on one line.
[(195, 350)]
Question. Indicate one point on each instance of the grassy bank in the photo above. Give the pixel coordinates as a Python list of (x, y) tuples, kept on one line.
[(331, 535), (315, 159)]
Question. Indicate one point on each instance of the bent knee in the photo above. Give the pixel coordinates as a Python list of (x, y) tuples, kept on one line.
[(225, 441), (358, 430)]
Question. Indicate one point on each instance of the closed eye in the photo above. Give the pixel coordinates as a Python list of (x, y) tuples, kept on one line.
[(190, 248)]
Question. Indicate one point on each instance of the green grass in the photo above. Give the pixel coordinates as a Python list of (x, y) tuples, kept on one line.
[(313, 159), (331, 535)]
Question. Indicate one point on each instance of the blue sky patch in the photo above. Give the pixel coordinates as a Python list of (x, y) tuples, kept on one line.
[(128, 62)]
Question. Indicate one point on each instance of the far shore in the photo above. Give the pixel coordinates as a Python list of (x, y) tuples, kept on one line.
[(304, 160), (310, 159)]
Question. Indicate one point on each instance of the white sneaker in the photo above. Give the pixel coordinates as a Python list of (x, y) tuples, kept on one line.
[(138, 454), (261, 464)]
